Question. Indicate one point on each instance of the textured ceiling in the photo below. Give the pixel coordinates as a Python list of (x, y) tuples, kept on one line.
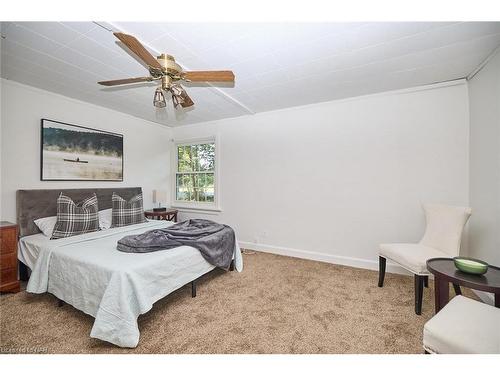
[(277, 65)]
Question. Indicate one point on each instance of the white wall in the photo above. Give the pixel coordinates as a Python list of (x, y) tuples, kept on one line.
[(484, 96), (146, 145), (331, 181), (328, 181)]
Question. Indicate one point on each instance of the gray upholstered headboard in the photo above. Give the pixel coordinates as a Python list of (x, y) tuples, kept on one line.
[(34, 204)]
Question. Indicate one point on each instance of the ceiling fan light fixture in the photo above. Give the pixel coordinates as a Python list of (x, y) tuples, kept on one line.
[(159, 99), (180, 96), (165, 68), (176, 100)]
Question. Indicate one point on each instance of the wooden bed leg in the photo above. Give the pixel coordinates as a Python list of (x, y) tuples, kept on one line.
[(193, 288), (231, 266), (23, 271)]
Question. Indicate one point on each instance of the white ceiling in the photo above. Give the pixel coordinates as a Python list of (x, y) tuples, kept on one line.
[(277, 65)]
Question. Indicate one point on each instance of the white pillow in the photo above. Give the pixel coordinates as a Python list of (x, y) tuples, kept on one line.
[(47, 224), (105, 219)]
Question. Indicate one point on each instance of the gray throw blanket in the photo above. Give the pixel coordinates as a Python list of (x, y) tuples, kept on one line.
[(214, 241)]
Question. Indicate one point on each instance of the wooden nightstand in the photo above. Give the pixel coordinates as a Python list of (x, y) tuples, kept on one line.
[(168, 214), (8, 257)]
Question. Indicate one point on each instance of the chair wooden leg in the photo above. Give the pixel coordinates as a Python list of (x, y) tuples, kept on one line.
[(419, 293), (381, 271), (193, 288), (457, 289), (426, 281)]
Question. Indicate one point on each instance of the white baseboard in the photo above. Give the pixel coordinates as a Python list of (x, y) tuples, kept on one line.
[(322, 257)]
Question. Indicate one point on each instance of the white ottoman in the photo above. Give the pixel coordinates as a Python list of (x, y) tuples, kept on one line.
[(464, 326)]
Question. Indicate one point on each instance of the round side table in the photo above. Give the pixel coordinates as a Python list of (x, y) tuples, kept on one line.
[(445, 272)]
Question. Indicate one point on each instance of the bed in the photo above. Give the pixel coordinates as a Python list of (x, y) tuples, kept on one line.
[(87, 271)]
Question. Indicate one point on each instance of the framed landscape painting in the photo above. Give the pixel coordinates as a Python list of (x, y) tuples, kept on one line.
[(76, 153)]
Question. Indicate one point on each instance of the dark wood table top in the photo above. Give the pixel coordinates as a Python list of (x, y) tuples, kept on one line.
[(7, 224), (445, 268), (163, 212)]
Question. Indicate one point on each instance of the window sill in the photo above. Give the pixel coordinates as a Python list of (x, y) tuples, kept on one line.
[(208, 210)]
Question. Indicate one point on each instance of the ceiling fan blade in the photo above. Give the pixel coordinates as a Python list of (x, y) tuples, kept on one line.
[(209, 76), (124, 81), (135, 46), (180, 96)]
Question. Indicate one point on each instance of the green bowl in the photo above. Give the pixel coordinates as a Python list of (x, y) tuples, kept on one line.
[(471, 265)]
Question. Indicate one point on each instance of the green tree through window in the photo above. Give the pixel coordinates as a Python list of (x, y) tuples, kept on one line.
[(195, 176)]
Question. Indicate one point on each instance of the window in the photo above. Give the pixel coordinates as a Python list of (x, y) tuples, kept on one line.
[(195, 177)]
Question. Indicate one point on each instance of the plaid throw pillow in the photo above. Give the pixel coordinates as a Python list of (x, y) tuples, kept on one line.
[(73, 219), (126, 213)]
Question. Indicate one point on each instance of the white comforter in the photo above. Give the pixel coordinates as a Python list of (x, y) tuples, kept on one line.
[(89, 273)]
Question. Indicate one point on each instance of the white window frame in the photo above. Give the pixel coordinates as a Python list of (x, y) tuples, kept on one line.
[(196, 206)]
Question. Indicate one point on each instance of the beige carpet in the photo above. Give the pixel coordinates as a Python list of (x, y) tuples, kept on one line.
[(277, 305)]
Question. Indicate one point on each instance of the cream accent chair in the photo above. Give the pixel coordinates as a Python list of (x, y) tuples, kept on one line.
[(442, 238), (463, 326)]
